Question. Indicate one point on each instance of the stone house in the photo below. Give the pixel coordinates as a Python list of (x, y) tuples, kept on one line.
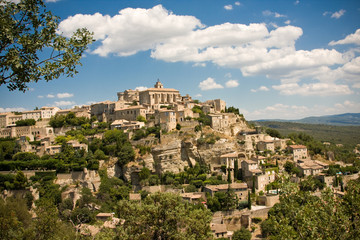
[(166, 119), (311, 167), (83, 111), (299, 152), (219, 230), (268, 200), (218, 105), (266, 145), (130, 113), (327, 180), (222, 121), (104, 111), (125, 125), (240, 189), (193, 197), (9, 119), (128, 96)]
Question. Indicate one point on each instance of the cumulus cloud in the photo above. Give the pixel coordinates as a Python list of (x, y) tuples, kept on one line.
[(64, 103), (132, 29), (209, 84), (50, 96), (296, 2), (198, 95), (64, 95), (237, 3), (287, 22), (14, 109), (260, 89), (228, 7), (254, 49), (141, 88), (231, 84), (40, 96), (338, 14), (353, 38), (313, 89)]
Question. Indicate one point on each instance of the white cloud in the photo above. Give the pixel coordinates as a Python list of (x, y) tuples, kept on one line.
[(228, 7), (16, 109), (231, 84), (52, 0), (313, 89), (64, 103), (198, 95), (287, 22), (261, 88), (237, 3), (269, 13), (132, 29), (296, 2), (349, 39), (209, 84), (64, 95), (141, 88), (338, 14), (228, 75), (254, 49), (200, 64), (50, 96), (40, 96), (326, 13)]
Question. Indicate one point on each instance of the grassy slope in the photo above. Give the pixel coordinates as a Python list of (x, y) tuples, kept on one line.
[(349, 135)]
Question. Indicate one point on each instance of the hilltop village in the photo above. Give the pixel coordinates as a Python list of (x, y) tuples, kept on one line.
[(152, 141)]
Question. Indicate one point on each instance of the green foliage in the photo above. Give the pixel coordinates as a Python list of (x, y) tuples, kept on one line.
[(25, 122), (311, 184), (143, 149), (301, 215), (25, 156), (14, 218), (242, 234), (232, 110), (69, 119), (291, 168), (141, 118), (178, 126), (249, 200), (8, 147), (116, 144), (190, 188), (273, 133), (163, 216), (31, 49), (197, 128)]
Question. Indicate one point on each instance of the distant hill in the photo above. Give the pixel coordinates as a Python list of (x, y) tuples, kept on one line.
[(349, 135), (346, 119)]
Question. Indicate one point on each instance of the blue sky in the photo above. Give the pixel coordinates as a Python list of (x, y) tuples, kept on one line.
[(271, 59)]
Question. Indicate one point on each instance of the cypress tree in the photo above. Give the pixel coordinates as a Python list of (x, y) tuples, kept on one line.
[(249, 200)]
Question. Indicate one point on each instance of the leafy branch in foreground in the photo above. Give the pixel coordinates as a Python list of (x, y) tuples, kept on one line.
[(30, 48)]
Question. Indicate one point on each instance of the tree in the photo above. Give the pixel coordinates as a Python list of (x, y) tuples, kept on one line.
[(163, 216), (302, 215), (28, 31), (249, 200), (242, 234)]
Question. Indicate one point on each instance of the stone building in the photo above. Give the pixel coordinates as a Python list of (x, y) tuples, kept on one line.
[(218, 105), (9, 119), (299, 152), (240, 189), (157, 96), (83, 111), (266, 145), (166, 119), (131, 113), (128, 96), (42, 113)]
